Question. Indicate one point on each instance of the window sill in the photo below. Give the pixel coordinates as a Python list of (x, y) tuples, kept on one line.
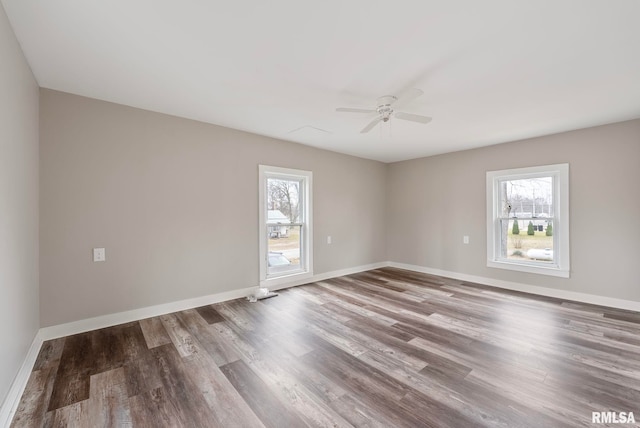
[(521, 267), (286, 278)]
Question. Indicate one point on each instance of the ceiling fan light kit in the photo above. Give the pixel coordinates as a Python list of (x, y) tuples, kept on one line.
[(384, 106), (385, 110)]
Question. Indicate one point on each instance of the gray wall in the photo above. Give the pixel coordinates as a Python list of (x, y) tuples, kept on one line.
[(175, 204), (433, 202), (18, 206)]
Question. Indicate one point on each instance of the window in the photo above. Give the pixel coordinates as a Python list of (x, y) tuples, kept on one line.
[(528, 219), (285, 225)]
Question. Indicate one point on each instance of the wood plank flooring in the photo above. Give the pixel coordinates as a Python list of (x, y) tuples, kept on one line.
[(383, 348)]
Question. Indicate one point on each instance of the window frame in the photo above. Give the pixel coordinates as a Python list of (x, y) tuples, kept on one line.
[(306, 225), (561, 265)]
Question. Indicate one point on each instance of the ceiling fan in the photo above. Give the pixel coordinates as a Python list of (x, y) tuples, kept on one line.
[(386, 107)]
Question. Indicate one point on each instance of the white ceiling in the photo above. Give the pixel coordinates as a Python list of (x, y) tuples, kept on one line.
[(491, 71)]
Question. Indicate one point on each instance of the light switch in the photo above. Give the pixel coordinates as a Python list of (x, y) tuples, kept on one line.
[(99, 255), (465, 239), (329, 240)]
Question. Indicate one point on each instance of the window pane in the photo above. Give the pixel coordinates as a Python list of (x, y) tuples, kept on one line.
[(529, 240), (530, 197), (284, 240), (283, 200), (531, 201), (284, 249)]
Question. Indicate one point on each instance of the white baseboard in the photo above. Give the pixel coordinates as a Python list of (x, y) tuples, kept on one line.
[(332, 274), (526, 288), (89, 324), (103, 321), (109, 320), (12, 400)]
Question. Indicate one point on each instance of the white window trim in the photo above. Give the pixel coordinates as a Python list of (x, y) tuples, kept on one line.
[(560, 172), (306, 246)]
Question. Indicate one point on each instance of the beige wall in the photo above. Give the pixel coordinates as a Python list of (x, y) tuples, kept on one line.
[(18, 206), (175, 204), (433, 202)]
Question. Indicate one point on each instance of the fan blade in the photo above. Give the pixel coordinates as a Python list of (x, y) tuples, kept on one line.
[(412, 117), (407, 96), (370, 126), (355, 110)]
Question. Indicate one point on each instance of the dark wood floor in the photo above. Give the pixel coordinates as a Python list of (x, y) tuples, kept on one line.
[(384, 348)]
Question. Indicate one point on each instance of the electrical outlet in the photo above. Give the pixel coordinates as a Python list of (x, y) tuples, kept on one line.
[(99, 255), (465, 239)]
